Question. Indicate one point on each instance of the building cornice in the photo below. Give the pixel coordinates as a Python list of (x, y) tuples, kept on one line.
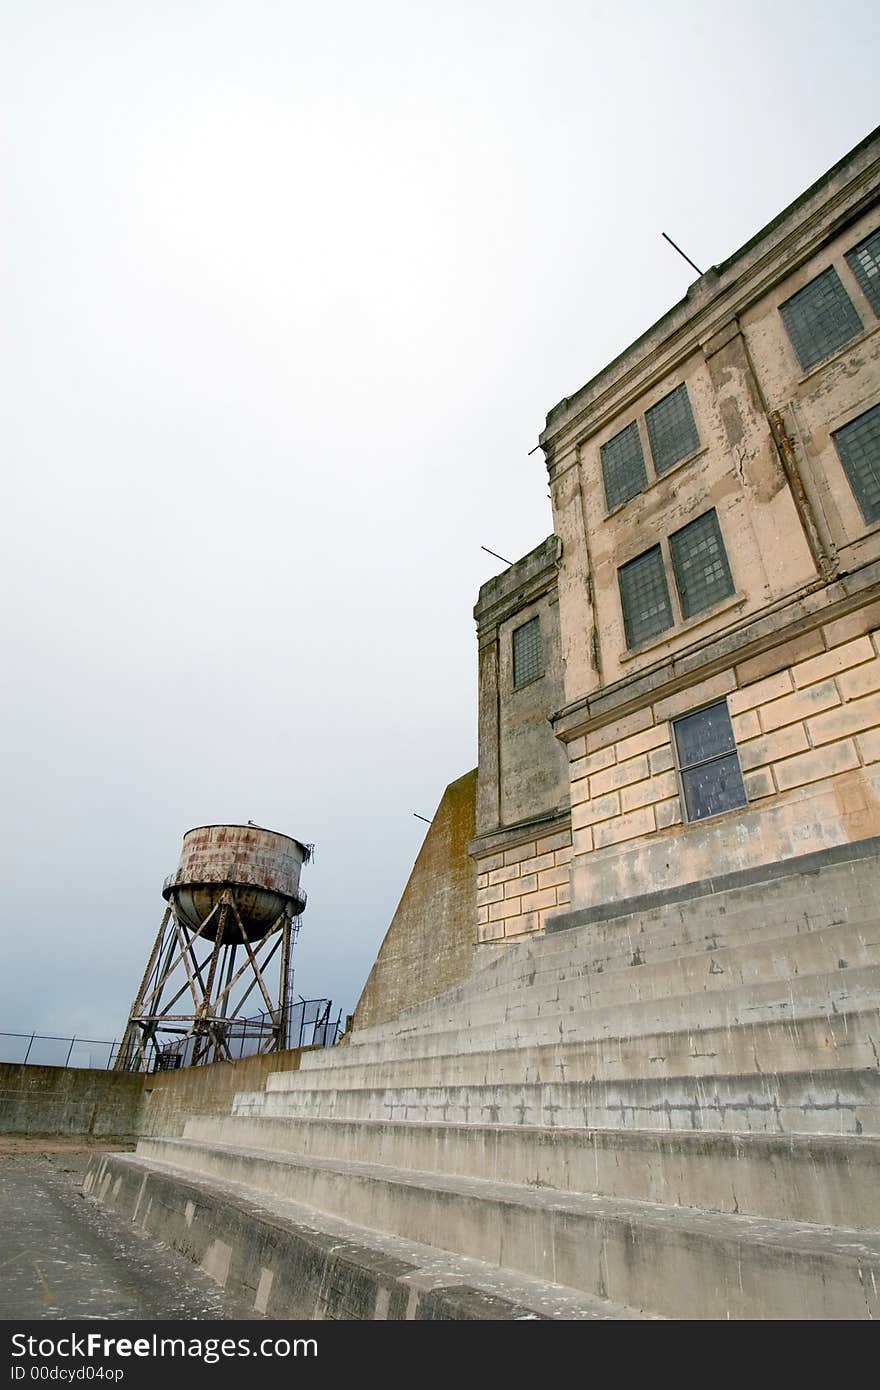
[(723, 294)]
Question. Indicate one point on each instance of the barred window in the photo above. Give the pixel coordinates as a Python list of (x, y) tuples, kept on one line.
[(864, 262), (671, 429), (858, 444), (699, 560), (527, 652), (711, 777), (644, 597), (820, 318), (623, 467)]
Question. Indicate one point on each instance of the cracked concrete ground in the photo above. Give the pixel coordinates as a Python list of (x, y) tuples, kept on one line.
[(62, 1256)]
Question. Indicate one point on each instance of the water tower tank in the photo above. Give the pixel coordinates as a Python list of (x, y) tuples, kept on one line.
[(260, 868)]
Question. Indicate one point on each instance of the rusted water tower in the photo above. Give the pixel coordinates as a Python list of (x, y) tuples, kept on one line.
[(233, 909)]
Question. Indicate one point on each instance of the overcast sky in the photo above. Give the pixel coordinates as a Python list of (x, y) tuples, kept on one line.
[(286, 292)]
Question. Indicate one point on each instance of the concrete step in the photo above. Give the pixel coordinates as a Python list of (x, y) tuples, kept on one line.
[(822, 1180), (789, 1000), (292, 1262), (680, 1262), (803, 1102), (786, 906), (846, 1040), (820, 952)]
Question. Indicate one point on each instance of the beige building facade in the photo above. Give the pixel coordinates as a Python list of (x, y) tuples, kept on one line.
[(683, 681)]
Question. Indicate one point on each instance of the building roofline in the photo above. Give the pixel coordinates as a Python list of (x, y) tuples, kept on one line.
[(707, 282)]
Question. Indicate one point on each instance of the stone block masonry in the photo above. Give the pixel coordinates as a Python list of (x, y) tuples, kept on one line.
[(808, 738), (520, 887)]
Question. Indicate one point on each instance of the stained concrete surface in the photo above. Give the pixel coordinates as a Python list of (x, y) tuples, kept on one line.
[(62, 1256)]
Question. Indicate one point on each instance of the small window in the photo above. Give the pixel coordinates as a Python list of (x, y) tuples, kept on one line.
[(820, 318), (699, 560), (645, 597), (711, 778), (623, 467), (864, 262), (527, 652), (858, 444), (671, 429)]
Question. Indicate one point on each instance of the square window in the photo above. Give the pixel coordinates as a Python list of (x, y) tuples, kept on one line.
[(711, 778), (864, 262), (527, 652), (623, 467), (645, 597), (671, 429), (858, 444), (820, 318), (699, 560)]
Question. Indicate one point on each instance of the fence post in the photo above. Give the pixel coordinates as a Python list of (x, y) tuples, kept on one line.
[(110, 1055), (70, 1050), (29, 1046)]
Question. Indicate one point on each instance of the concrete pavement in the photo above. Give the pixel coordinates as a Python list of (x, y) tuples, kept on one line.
[(64, 1257)]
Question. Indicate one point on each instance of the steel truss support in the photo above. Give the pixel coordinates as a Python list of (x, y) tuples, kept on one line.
[(197, 982)]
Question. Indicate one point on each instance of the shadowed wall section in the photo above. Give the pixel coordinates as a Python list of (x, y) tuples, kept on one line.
[(429, 946)]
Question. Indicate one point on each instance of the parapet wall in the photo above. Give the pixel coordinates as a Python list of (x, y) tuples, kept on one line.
[(69, 1100), (48, 1101)]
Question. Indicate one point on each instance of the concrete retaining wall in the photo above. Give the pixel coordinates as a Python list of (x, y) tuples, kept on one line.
[(68, 1100), (170, 1098), (73, 1100)]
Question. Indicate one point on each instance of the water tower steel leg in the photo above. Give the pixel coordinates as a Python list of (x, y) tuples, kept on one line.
[(184, 956), (253, 960), (253, 984), (284, 971), (132, 1032)]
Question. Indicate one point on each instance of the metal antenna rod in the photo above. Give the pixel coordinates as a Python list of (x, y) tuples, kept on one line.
[(681, 253), (495, 553), (424, 818)]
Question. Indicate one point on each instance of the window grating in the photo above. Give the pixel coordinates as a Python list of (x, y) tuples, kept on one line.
[(711, 777), (623, 467), (527, 652), (858, 444), (644, 597), (864, 262), (699, 560), (820, 318), (671, 429)]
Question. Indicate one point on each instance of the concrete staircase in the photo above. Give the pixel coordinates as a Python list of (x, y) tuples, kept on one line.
[(669, 1113)]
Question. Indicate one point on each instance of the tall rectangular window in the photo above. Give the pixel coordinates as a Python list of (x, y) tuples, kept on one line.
[(644, 597), (623, 467), (671, 429), (708, 764), (858, 444), (864, 262), (527, 652), (702, 574), (820, 318)]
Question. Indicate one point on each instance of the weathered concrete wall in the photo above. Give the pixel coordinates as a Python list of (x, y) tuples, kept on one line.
[(68, 1100), (171, 1098), (430, 944), (74, 1100)]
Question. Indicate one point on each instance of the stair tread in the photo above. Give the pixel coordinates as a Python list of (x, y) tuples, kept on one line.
[(800, 1237), (541, 970), (530, 1297), (733, 1140)]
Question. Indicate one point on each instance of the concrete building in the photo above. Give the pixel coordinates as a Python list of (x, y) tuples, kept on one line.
[(682, 682), (618, 1055)]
